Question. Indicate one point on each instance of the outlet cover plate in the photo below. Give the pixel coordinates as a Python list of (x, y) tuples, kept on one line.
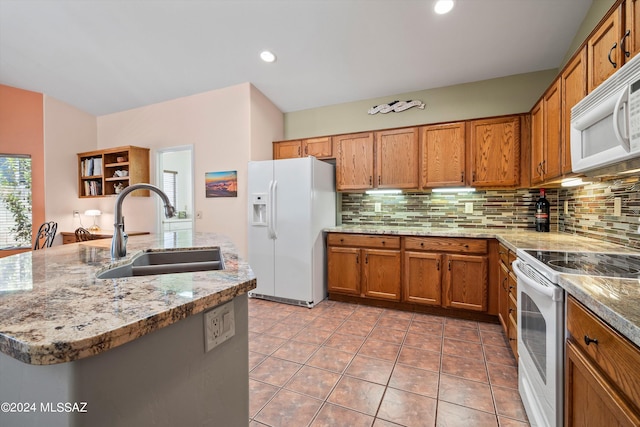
[(219, 325)]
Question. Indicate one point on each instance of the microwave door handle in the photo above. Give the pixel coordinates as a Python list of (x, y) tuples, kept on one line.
[(621, 103)]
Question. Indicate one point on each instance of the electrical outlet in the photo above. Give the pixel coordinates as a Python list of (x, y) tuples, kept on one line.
[(617, 206), (377, 207), (566, 207), (468, 207), (76, 213), (219, 325)]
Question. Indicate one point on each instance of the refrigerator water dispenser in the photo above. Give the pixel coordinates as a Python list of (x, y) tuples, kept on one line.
[(259, 203)]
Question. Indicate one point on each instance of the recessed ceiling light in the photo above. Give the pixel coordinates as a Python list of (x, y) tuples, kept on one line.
[(443, 6), (267, 56)]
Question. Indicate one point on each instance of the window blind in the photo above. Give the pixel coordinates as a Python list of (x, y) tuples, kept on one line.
[(15, 201)]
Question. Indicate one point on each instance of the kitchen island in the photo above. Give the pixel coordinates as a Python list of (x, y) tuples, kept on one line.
[(77, 350)]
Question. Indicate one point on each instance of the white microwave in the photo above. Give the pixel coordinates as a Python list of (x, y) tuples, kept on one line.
[(605, 125)]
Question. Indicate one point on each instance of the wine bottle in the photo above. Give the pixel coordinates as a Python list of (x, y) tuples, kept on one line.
[(543, 209)]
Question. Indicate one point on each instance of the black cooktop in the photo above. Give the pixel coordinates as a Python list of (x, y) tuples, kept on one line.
[(591, 263)]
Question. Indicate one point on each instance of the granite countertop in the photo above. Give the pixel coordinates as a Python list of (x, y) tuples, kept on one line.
[(53, 309), (616, 301)]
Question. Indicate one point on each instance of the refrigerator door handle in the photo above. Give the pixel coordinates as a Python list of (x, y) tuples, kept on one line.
[(274, 211), (270, 231)]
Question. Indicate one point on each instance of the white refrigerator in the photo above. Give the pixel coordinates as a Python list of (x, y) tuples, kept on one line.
[(290, 202)]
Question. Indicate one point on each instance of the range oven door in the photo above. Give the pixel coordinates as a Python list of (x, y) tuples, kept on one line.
[(540, 346)]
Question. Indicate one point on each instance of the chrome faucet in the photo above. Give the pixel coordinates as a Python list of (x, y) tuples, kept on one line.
[(119, 241)]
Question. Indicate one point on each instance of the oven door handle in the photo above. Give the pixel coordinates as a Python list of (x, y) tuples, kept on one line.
[(555, 293)]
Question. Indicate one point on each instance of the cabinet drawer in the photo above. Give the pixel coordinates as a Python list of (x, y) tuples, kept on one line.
[(612, 353), (448, 244), (364, 240), (68, 238), (504, 255), (513, 285), (513, 308)]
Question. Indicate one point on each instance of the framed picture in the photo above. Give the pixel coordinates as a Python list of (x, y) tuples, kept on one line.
[(221, 184)]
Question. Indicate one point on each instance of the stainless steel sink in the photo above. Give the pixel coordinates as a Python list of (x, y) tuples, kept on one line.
[(153, 261)]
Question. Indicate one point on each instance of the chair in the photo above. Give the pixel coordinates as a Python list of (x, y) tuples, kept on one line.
[(46, 234), (83, 235)]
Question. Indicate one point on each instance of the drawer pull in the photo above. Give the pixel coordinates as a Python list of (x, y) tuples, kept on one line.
[(422, 244), (588, 340), (513, 339)]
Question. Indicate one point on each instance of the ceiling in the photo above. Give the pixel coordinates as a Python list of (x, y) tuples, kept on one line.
[(104, 56)]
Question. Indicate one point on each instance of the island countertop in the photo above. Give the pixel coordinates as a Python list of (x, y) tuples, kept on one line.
[(53, 309), (615, 300)]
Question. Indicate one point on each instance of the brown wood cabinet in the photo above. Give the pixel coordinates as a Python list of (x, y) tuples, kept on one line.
[(442, 155), (631, 37), (574, 88), (100, 171), (508, 298), (494, 152), (443, 272), (354, 161), (603, 51), (364, 265), (397, 159), (602, 380), (320, 148), (546, 136)]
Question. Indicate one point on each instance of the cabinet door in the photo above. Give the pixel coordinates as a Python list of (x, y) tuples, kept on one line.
[(552, 121), (381, 274), (495, 152), (442, 155), (397, 159), (287, 150), (537, 142), (574, 88), (603, 50), (503, 296), (343, 270), (631, 41), (318, 147), (422, 278), (466, 282), (590, 400), (354, 161)]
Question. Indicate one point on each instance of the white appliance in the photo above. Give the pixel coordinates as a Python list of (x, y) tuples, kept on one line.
[(605, 125), (290, 202), (540, 341)]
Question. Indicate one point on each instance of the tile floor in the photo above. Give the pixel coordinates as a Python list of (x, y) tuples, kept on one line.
[(342, 364)]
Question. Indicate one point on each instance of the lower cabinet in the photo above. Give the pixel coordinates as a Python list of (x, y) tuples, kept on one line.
[(602, 380), (428, 271), (508, 298), (364, 265)]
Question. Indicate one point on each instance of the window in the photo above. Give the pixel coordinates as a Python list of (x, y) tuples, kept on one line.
[(169, 185), (15, 201)]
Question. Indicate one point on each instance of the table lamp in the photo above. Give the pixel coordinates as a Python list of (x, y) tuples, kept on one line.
[(94, 213)]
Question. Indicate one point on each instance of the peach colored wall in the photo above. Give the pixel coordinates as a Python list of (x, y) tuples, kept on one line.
[(218, 125), (67, 131), (267, 125), (21, 132)]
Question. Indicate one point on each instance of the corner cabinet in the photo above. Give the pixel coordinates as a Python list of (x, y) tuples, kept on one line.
[(574, 88), (494, 152), (101, 172)]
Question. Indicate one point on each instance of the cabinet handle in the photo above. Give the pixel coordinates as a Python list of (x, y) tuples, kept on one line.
[(379, 179), (422, 244), (615, 65), (511, 310), (543, 167), (462, 176), (473, 176), (370, 180), (449, 266), (366, 259), (588, 340), (438, 265), (341, 240), (513, 339), (383, 242), (299, 151), (306, 150), (357, 259), (503, 284), (626, 52)]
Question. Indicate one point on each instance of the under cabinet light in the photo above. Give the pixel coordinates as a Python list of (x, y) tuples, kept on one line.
[(383, 191), (573, 182), (454, 190)]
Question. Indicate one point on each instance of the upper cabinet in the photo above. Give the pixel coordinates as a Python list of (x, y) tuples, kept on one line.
[(442, 155), (604, 54), (574, 88), (397, 159), (546, 136), (631, 36), (354, 161), (106, 172), (320, 148), (494, 152)]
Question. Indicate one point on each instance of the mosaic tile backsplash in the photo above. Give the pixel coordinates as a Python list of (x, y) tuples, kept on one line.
[(590, 210)]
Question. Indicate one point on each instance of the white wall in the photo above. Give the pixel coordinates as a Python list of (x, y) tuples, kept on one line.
[(224, 126), (67, 131)]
